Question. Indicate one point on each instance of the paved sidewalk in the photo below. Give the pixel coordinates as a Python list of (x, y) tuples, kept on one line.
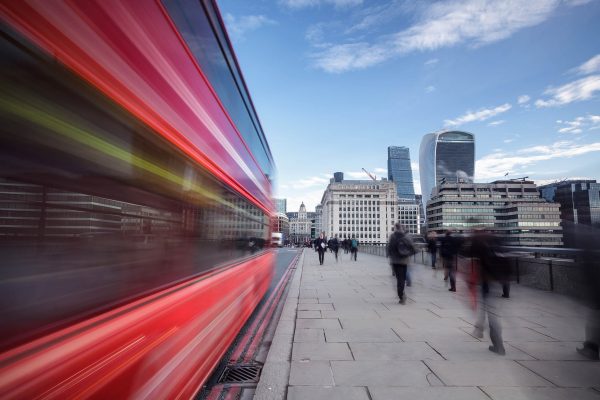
[(343, 335)]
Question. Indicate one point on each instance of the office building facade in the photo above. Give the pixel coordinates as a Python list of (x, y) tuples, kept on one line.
[(361, 209), (513, 210), (280, 205), (447, 156), (579, 204), (400, 172), (409, 217)]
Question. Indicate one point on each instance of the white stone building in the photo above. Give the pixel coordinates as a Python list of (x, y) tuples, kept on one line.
[(409, 216), (300, 226), (365, 210)]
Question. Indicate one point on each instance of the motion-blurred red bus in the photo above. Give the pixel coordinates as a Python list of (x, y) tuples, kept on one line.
[(134, 198)]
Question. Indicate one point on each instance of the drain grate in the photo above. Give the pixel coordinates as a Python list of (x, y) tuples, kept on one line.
[(238, 373)]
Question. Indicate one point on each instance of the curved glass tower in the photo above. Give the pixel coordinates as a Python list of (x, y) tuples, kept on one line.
[(448, 156)]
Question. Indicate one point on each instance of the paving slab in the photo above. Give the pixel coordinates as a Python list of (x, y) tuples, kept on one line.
[(327, 393), (485, 373), (427, 393), (512, 393), (309, 335), (311, 373), (474, 351), (374, 373), (309, 314), (314, 306), (393, 351), (321, 351), (551, 351), (370, 335), (567, 373), (328, 323)]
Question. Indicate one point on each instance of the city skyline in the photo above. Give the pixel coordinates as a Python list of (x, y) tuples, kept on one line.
[(336, 82)]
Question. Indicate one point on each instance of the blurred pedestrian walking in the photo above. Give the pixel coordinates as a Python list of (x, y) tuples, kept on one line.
[(334, 245), (399, 250), (588, 239), (492, 270), (353, 248), (432, 247), (449, 246), (321, 247)]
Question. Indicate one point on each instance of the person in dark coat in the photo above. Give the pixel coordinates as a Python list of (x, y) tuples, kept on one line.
[(587, 239), (334, 246), (353, 248), (449, 246), (321, 247), (399, 250), (432, 247), (492, 269)]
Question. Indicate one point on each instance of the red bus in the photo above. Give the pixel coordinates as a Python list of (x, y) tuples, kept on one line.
[(134, 198)]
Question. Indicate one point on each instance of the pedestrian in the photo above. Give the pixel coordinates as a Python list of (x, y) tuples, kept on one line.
[(353, 248), (321, 247), (345, 245), (449, 246), (432, 247), (335, 246), (399, 250), (587, 239), (492, 269)]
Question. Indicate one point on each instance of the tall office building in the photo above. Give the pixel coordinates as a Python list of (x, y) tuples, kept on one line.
[(400, 172), (447, 156), (280, 205)]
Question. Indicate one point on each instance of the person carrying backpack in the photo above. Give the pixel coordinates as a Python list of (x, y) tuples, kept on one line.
[(399, 250), (353, 248)]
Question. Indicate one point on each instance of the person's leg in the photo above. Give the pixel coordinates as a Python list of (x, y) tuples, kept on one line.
[(452, 276), (591, 346), (321, 257), (408, 280), (400, 271), (506, 289), (433, 259), (495, 327)]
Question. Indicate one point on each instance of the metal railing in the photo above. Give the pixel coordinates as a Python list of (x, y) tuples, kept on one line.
[(552, 269)]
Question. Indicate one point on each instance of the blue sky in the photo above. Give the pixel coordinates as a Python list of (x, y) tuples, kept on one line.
[(337, 81)]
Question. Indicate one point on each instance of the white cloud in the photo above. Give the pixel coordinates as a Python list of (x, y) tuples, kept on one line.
[(523, 99), (297, 4), (239, 26), (480, 115), (579, 124), (432, 61), (496, 123), (508, 140), (496, 164), (440, 24), (589, 67), (430, 89), (309, 182), (579, 90)]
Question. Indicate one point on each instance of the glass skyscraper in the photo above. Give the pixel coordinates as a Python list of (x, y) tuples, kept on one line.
[(447, 156), (400, 172)]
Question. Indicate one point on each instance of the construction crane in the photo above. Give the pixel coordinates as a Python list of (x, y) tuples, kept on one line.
[(519, 179), (370, 175)]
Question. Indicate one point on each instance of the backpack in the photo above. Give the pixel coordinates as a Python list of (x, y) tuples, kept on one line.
[(404, 247), (354, 244)]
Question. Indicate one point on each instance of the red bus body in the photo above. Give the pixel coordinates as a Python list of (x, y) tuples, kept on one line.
[(163, 341)]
